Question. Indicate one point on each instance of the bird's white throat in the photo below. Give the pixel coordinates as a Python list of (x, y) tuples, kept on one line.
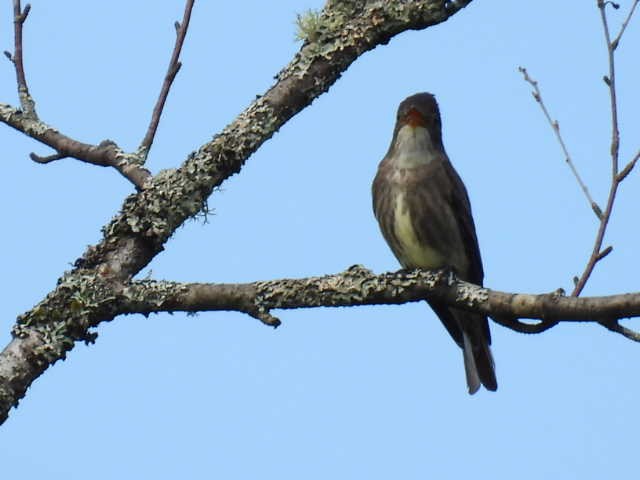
[(414, 147)]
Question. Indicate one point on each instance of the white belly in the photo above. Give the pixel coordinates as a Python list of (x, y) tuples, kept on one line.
[(414, 254)]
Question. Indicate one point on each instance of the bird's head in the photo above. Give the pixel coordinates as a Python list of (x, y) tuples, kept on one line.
[(417, 137), (420, 110)]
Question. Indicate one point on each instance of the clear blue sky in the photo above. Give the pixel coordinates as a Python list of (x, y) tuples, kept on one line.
[(372, 393)]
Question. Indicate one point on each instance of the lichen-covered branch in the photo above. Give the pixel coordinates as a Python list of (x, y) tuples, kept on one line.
[(44, 334), (84, 297), (359, 286)]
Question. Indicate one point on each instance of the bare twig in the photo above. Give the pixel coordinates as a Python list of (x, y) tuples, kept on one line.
[(604, 253), (614, 326), (172, 71), (616, 41), (616, 177), (629, 167), (19, 17), (556, 129), (518, 325), (106, 154), (596, 253), (26, 120), (47, 159), (610, 80)]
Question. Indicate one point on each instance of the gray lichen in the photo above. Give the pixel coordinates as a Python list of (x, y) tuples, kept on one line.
[(471, 295), (80, 302)]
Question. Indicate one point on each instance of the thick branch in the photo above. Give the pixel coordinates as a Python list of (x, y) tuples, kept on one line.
[(82, 297), (359, 286), (82, 302)]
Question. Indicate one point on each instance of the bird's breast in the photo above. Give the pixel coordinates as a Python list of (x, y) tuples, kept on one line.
[(412, 251)]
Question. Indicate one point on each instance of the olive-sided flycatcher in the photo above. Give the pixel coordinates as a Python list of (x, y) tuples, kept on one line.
[(425, 216)]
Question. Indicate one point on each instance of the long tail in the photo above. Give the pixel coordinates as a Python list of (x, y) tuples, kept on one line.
[(478, 363), (471, 333)]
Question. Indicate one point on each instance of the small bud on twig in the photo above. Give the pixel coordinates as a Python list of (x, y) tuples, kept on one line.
[(604, 253)]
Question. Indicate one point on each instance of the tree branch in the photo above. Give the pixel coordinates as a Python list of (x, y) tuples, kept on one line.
[(99, 288), (597, 253), (616, 41), (359, 286), (105, 154), (26, 120), (82, 301), (555, 126), (19, 17), (614, 326), (629, 167), (172, 71), (83, 297)]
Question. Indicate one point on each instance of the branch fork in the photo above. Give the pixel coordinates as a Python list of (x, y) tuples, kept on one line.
[(106, 154), (99, 285), (597, 253)]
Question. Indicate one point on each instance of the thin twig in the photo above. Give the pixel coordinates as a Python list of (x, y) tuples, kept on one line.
[(26, 120), (604, 253), (47, 159), (614, 326), (616, 41), (172, 71), (19, 17), (629, 167), (105, 154), (610, 80), (596, 254), (556, 129), (518, 325)]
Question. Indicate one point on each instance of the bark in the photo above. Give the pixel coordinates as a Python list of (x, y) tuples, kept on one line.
[(88, 294), (99, 287)]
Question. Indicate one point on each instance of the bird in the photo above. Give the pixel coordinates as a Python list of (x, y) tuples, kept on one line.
[(424, 214)]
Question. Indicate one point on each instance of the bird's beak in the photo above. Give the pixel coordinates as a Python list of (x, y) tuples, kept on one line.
[(414, 119)]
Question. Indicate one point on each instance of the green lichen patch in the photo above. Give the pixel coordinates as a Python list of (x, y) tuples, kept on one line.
[(308, 25)]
